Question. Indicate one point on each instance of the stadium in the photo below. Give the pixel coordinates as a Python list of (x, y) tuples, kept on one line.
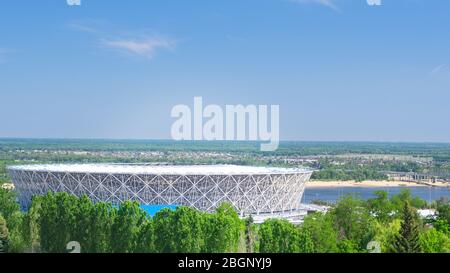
[(251, 190)]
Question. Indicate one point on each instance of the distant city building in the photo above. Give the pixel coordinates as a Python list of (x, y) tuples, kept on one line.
[(411, 177), (251, 190)]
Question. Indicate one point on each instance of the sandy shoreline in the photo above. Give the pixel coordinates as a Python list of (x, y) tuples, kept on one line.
[(368, 184)]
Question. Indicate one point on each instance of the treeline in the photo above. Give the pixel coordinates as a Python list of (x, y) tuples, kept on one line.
[(302, 148), (351, 169), (350, 226), (358, 174), (54, 220)]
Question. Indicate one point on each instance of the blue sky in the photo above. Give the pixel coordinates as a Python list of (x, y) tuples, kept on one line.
[(340, 70)]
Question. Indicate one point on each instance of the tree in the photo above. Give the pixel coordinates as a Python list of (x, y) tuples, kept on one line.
[(101, 221), (353, 222), (380, 206), (386, 232), (405, 195), (278, 236), (3, 235), (441, 225), (320, 227), (8, 204), (306, 242), (57, 221), (146, 242), (223, 230), (249, 235), (443, 209), (348, 246), (126, 227), (433, 241), (164, 242), (10, 210), (407, 240), (31, 224), (82, 229), (188, 230)]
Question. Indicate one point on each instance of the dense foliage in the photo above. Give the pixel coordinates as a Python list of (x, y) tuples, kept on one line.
[(54, 220), (3, 236), (128, 229), (407, 240)]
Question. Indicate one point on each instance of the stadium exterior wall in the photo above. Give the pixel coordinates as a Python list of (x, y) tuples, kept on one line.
[(257, 193)]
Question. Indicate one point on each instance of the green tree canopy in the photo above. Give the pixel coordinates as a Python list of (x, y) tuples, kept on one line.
[(433, 241), (126, 228), (164, 241), (223, 230), (4, 240), (352, 221), (380, 206), (407, 240), (278, 236), (405, 195), (322, 232)]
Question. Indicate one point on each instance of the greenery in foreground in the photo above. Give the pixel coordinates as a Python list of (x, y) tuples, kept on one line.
[(54, 220)]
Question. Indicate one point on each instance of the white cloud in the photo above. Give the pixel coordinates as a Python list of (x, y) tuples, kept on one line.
[(374, 2), (139, 43), (327, 3), (74, 2), (82, 28), (438, 69), (91, 26), (145, 47)]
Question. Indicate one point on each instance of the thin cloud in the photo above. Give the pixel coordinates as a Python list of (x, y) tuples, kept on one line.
[(3, 53), (146, 47), (326, 3), (82, 28), (92, 26), (438, 69), (139, 44)]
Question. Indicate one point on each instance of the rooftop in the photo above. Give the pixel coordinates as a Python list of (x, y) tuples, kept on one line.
[(159, 169)]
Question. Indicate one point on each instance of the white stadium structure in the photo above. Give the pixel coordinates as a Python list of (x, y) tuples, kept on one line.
[(251, 190)]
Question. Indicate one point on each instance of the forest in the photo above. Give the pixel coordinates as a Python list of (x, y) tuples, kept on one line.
[(352, 225)]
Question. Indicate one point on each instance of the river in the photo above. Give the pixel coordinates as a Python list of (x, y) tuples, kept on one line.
[(332, 194)]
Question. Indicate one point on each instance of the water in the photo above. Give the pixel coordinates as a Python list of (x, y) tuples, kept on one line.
[(331, 195), (153, 209)]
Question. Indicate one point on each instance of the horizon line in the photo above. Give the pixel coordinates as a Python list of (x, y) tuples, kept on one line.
[(228, 141)]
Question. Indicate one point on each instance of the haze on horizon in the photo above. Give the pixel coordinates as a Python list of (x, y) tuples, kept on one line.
[(340, 70)]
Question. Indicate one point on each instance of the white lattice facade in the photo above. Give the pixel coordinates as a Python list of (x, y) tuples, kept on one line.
[(251, 190)]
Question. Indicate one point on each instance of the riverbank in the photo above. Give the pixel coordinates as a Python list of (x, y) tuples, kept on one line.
[(369, 184)]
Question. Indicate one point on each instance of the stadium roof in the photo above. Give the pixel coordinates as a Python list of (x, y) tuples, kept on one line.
[(159, 169)]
